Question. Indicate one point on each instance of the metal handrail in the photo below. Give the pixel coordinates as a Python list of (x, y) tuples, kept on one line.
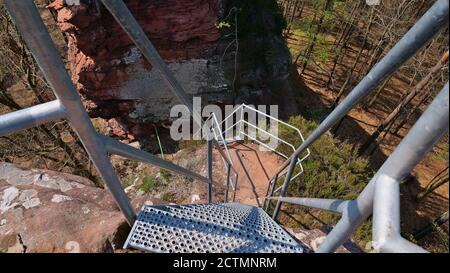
[(227, 159), (242, 121), (118, 148), (219, 135), (240, 126), (358, 210), (229, 167), (383, 191), (240, 129), (410, 43), (381, 195), (69, 106)]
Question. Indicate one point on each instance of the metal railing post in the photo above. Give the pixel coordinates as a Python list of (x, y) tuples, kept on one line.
[(210, 170), (116, 147), (430, 23), (415, 145), (235, 189), (228, 182), (241, 124), (32, 116), (29, 23), (285, 186), (270, 192), (357, 211), (126, 20)]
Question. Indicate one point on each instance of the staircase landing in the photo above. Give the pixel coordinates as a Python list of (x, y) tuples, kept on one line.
[(214, 228)]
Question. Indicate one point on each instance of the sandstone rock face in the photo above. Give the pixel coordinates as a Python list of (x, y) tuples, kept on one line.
[(45, 211), (116, 82)]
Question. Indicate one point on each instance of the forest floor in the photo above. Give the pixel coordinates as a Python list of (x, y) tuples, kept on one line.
[(314, 100)]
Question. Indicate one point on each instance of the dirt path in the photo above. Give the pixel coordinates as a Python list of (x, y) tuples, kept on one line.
[(254, 168)]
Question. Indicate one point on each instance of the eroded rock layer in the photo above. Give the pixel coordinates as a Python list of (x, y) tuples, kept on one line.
[(112, 76)]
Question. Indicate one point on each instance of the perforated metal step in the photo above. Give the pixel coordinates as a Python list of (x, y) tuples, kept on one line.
[(215, 228)]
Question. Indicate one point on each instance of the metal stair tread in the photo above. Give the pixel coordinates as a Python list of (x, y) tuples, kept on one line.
[(215, 228)]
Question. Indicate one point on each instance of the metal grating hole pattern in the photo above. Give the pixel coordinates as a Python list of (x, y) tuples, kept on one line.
[(210, 228)]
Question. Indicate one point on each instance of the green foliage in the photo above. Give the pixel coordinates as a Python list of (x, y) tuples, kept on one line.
[(441, 151), (363, 234), (442, 238), (169, 197), (166, 175), (318, 114), (128, 182), (222, 24), (183, 144), (321, 50), (313, 38), (333, 170), (148, 183)]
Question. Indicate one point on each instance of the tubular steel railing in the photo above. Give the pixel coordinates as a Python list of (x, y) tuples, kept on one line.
[(216, 137), (69, 106), (381, 195), (234, 131), (237, 130)]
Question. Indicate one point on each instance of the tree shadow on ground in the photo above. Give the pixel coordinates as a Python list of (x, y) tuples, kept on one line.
[(312, 105)]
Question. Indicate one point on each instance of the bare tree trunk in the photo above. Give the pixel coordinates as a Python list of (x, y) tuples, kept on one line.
[(301, 9), (377, 94), (416, 107), (400, 108), (344, 36), (443, 218), (434, 183), (309, 29), (356, 61), (319, 30), (292, 16)]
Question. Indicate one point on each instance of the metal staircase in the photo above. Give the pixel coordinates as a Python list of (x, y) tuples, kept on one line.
[(235, 127), (210, 228), (234, 227)]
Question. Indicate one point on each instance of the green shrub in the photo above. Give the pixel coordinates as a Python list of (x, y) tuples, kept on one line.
[(166, 175), (333, 170), (148, 184), (169, 197), (441, 150), (363, 234), (128, 181)]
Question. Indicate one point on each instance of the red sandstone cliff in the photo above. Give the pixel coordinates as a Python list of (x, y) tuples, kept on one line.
[(101, 54)]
